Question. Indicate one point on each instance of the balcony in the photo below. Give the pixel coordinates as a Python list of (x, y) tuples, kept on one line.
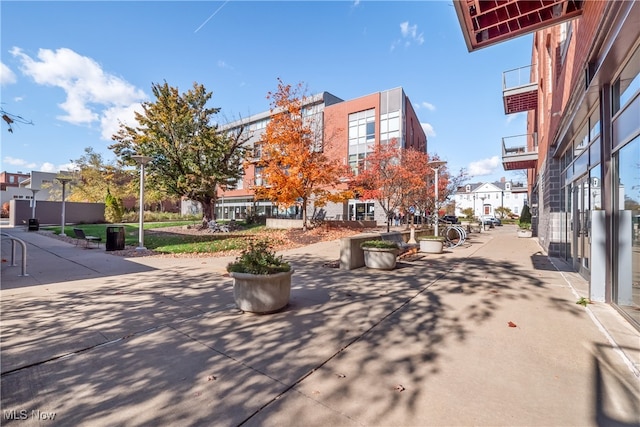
[(487, 22), (520, 152), (519, 90)]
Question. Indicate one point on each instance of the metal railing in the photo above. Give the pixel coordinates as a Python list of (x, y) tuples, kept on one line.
[(519, 77), (13, 252), (520, 144)]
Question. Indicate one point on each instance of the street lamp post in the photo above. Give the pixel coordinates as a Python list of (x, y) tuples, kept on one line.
[(481, 213), (142, 161), (33, 202), (63, 180), (435, 166)]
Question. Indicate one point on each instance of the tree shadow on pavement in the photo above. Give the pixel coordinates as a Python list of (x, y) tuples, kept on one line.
[(171, 348)]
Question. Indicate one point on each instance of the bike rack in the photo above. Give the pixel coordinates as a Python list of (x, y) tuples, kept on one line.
[(13, 253), (461, 232)]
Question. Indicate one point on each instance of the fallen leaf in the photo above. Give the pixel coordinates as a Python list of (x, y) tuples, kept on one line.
[(512, 325)]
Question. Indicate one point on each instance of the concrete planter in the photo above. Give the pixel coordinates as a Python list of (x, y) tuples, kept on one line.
[(261, 293), (380, 258), (431, 246), (524, 233)]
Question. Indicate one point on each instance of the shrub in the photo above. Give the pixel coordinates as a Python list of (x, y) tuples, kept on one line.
[(113, 208), (258, 258), (468, 213), (525, 218), (381, 244)]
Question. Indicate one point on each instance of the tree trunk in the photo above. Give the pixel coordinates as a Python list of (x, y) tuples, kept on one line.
[(208, 208), (304, 214)]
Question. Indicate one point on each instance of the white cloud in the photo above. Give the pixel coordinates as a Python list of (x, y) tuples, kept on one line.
[(411, 32), (483, 167), (93, 96), (25, 166), (19, 163), (223, 64), (7, 76), (428, 129), (429, 106), (112, 117), (48, 167), (512, 117)]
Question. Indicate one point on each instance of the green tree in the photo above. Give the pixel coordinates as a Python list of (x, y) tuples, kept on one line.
[(468, 213), (503, 211), (113, 208), (94, 178), (190, 155), (525, 216)]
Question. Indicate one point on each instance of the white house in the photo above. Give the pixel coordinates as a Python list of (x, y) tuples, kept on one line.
[(485, 197)]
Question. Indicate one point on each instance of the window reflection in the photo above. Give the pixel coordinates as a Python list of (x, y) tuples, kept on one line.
[(627, 288)]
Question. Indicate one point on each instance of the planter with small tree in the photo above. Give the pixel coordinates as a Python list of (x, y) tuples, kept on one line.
[(380, 254), (261, 280), (524, 224)]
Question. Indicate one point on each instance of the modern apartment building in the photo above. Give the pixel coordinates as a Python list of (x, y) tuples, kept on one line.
[(25, 185), (581, 94), (485, 197), (348, 129)]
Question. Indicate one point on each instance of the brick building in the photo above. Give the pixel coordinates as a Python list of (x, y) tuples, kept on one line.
[(353, 126), (582, 147)]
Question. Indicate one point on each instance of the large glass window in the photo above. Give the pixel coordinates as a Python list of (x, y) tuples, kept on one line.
[(627, 192), (628, 84), (362, 137), (390, 126)]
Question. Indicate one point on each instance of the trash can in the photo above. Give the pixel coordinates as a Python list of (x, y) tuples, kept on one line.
[(34, 224), (115, 238)]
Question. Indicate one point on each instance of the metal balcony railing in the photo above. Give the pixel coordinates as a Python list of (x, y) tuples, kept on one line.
[(520, 89), (520, 151)]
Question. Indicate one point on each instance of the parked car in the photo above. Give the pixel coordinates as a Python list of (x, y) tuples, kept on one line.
[(449, 219), (490, 219)]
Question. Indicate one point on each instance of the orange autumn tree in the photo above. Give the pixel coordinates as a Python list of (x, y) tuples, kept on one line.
[(386, 178), (293, 163), (423, 196)]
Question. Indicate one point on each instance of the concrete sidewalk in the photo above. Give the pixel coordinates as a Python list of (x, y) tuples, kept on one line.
[(486, 334)]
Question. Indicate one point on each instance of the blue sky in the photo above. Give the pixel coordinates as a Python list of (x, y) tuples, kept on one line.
[(74, 68)]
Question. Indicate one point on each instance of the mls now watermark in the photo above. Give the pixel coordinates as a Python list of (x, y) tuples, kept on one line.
[(25, 414)]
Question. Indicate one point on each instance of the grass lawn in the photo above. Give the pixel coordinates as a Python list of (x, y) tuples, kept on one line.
[(176, 242)]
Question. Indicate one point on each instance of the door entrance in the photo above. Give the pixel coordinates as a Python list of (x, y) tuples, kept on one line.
[(581, 226)]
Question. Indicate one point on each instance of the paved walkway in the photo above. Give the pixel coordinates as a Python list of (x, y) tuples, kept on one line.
[(485, 334)]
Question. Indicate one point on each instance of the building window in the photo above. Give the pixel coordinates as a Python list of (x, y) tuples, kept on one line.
[(362, 137), (627, 86), (566, 30), (390, 126)]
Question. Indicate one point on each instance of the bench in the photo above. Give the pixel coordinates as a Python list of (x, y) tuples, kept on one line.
[(87, 239), (398, 240)]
